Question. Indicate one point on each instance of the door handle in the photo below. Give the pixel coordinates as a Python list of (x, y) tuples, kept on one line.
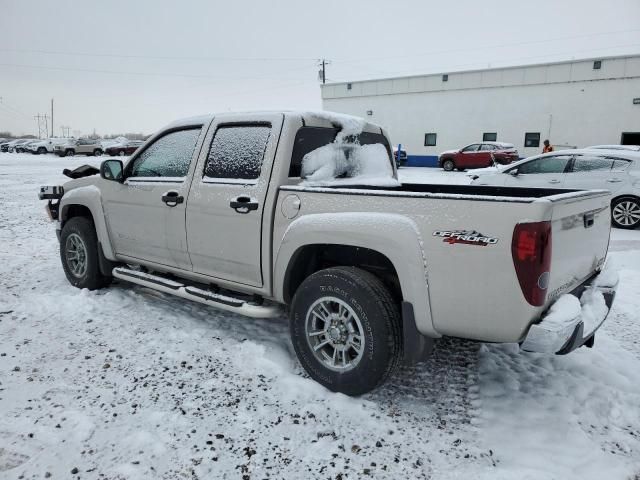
[(172, 198), (554, 181), (243, 204), (614, 180)]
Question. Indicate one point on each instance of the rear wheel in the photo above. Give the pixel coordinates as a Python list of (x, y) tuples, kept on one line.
[(448, 165), (97, 152), (345, 329), (122, 153), (79, 254), (625, 213), (42, 150)]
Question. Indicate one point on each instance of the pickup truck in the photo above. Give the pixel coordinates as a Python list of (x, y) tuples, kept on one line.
[(260, 213)]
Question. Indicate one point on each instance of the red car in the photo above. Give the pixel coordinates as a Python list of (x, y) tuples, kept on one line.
[(478, 155), (123, 149)]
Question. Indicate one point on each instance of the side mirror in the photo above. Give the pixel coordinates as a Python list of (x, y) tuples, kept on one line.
[(112, 170), (513, 172)]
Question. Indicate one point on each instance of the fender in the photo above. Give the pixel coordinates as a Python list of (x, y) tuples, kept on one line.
[(89, 196), (394, 236)]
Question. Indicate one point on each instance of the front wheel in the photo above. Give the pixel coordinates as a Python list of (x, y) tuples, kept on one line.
[(69, 153), (42, 151), (345, 329), (79, 254), (97, 152), (448, 165), (122, 153), (625, 213)]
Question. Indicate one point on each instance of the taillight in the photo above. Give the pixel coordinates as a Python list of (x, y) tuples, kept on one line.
[(531, 252)]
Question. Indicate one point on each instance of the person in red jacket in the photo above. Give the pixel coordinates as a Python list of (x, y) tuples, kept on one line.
[(547, 147)]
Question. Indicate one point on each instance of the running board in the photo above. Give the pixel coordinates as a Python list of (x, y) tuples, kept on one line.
[(223, 302)]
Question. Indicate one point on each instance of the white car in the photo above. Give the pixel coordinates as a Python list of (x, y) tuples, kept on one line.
[(46, 146), (615, 170)]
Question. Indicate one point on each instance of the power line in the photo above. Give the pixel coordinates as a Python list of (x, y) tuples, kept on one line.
[(159, 57)]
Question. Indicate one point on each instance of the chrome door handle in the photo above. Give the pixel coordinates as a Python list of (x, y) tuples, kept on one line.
[(614, 180), (554, 181)]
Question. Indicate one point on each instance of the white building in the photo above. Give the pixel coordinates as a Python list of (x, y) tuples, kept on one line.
[(573, 104)]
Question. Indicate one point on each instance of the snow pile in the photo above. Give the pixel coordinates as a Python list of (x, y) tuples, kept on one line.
[(564, 312), (346, 163)]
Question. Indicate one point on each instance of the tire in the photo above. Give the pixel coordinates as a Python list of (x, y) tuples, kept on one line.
[(122, 153), (42, 151), (370, 310), (448, 165), (97, 152), (625, 213), (69, 153), (79, 254)]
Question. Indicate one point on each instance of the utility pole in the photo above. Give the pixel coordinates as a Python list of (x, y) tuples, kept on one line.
[(52, 117), (322, 74)]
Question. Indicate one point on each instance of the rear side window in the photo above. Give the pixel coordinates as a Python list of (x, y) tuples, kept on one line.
[(168, 156), (237, 151), (588, 163), (620, 165), (554, 164), (309, 139)]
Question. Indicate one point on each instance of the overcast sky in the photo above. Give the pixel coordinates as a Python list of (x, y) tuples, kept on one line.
[(133, 66)]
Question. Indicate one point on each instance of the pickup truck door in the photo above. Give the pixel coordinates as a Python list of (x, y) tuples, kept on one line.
[(146, 214), (226, 212), (543, 172)]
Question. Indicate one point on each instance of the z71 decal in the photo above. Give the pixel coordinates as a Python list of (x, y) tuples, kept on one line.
[(467, 237)]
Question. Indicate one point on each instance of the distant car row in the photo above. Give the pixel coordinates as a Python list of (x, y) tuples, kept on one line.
[(69, 146)]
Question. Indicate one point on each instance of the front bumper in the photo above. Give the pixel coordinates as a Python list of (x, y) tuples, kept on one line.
[(561, 336)]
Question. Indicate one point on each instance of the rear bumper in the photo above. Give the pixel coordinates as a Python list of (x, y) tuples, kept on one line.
[(596, 297)]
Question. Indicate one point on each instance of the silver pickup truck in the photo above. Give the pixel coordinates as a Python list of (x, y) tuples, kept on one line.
[(251, 213)]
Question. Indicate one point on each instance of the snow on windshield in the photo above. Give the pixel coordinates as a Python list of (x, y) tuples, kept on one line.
[(344, 162)]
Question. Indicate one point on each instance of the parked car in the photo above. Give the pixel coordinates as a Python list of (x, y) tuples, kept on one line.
[(401, 160), (82, 146), (16, 143), (47, 146), (632, 148), (24, 147), (478, 155), (615, 170), (250, 212), (124, 149)]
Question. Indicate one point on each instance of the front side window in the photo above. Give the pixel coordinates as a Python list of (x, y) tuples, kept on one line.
[(532, 139), (620, 165), (471, 148), (487, 147), (237, 151), (168, 156), (588, 163), (554, 164)]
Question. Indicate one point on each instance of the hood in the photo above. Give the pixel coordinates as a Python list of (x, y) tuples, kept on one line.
[(449, 151)]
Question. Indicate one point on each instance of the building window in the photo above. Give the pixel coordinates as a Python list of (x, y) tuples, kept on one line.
[(597, 65), (430, 139), (489, 137), (532, 139), (348, 86), (445, 77)]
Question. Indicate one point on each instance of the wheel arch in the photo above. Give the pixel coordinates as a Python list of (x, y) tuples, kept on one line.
[(387, 245), (86, 201)]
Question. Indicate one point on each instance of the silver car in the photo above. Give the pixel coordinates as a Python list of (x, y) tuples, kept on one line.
[(589, 168)]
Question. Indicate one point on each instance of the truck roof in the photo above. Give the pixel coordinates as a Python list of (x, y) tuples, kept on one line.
[(310, 118)]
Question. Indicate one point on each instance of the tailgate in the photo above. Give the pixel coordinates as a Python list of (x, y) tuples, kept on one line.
[(581, 224)]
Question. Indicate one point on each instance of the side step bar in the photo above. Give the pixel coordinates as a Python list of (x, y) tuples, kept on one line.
[(223, 302)]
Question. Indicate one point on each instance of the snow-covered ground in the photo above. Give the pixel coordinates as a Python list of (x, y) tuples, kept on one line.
[(129, 383)]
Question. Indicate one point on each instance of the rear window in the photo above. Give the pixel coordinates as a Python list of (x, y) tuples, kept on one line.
[(309, 139)]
